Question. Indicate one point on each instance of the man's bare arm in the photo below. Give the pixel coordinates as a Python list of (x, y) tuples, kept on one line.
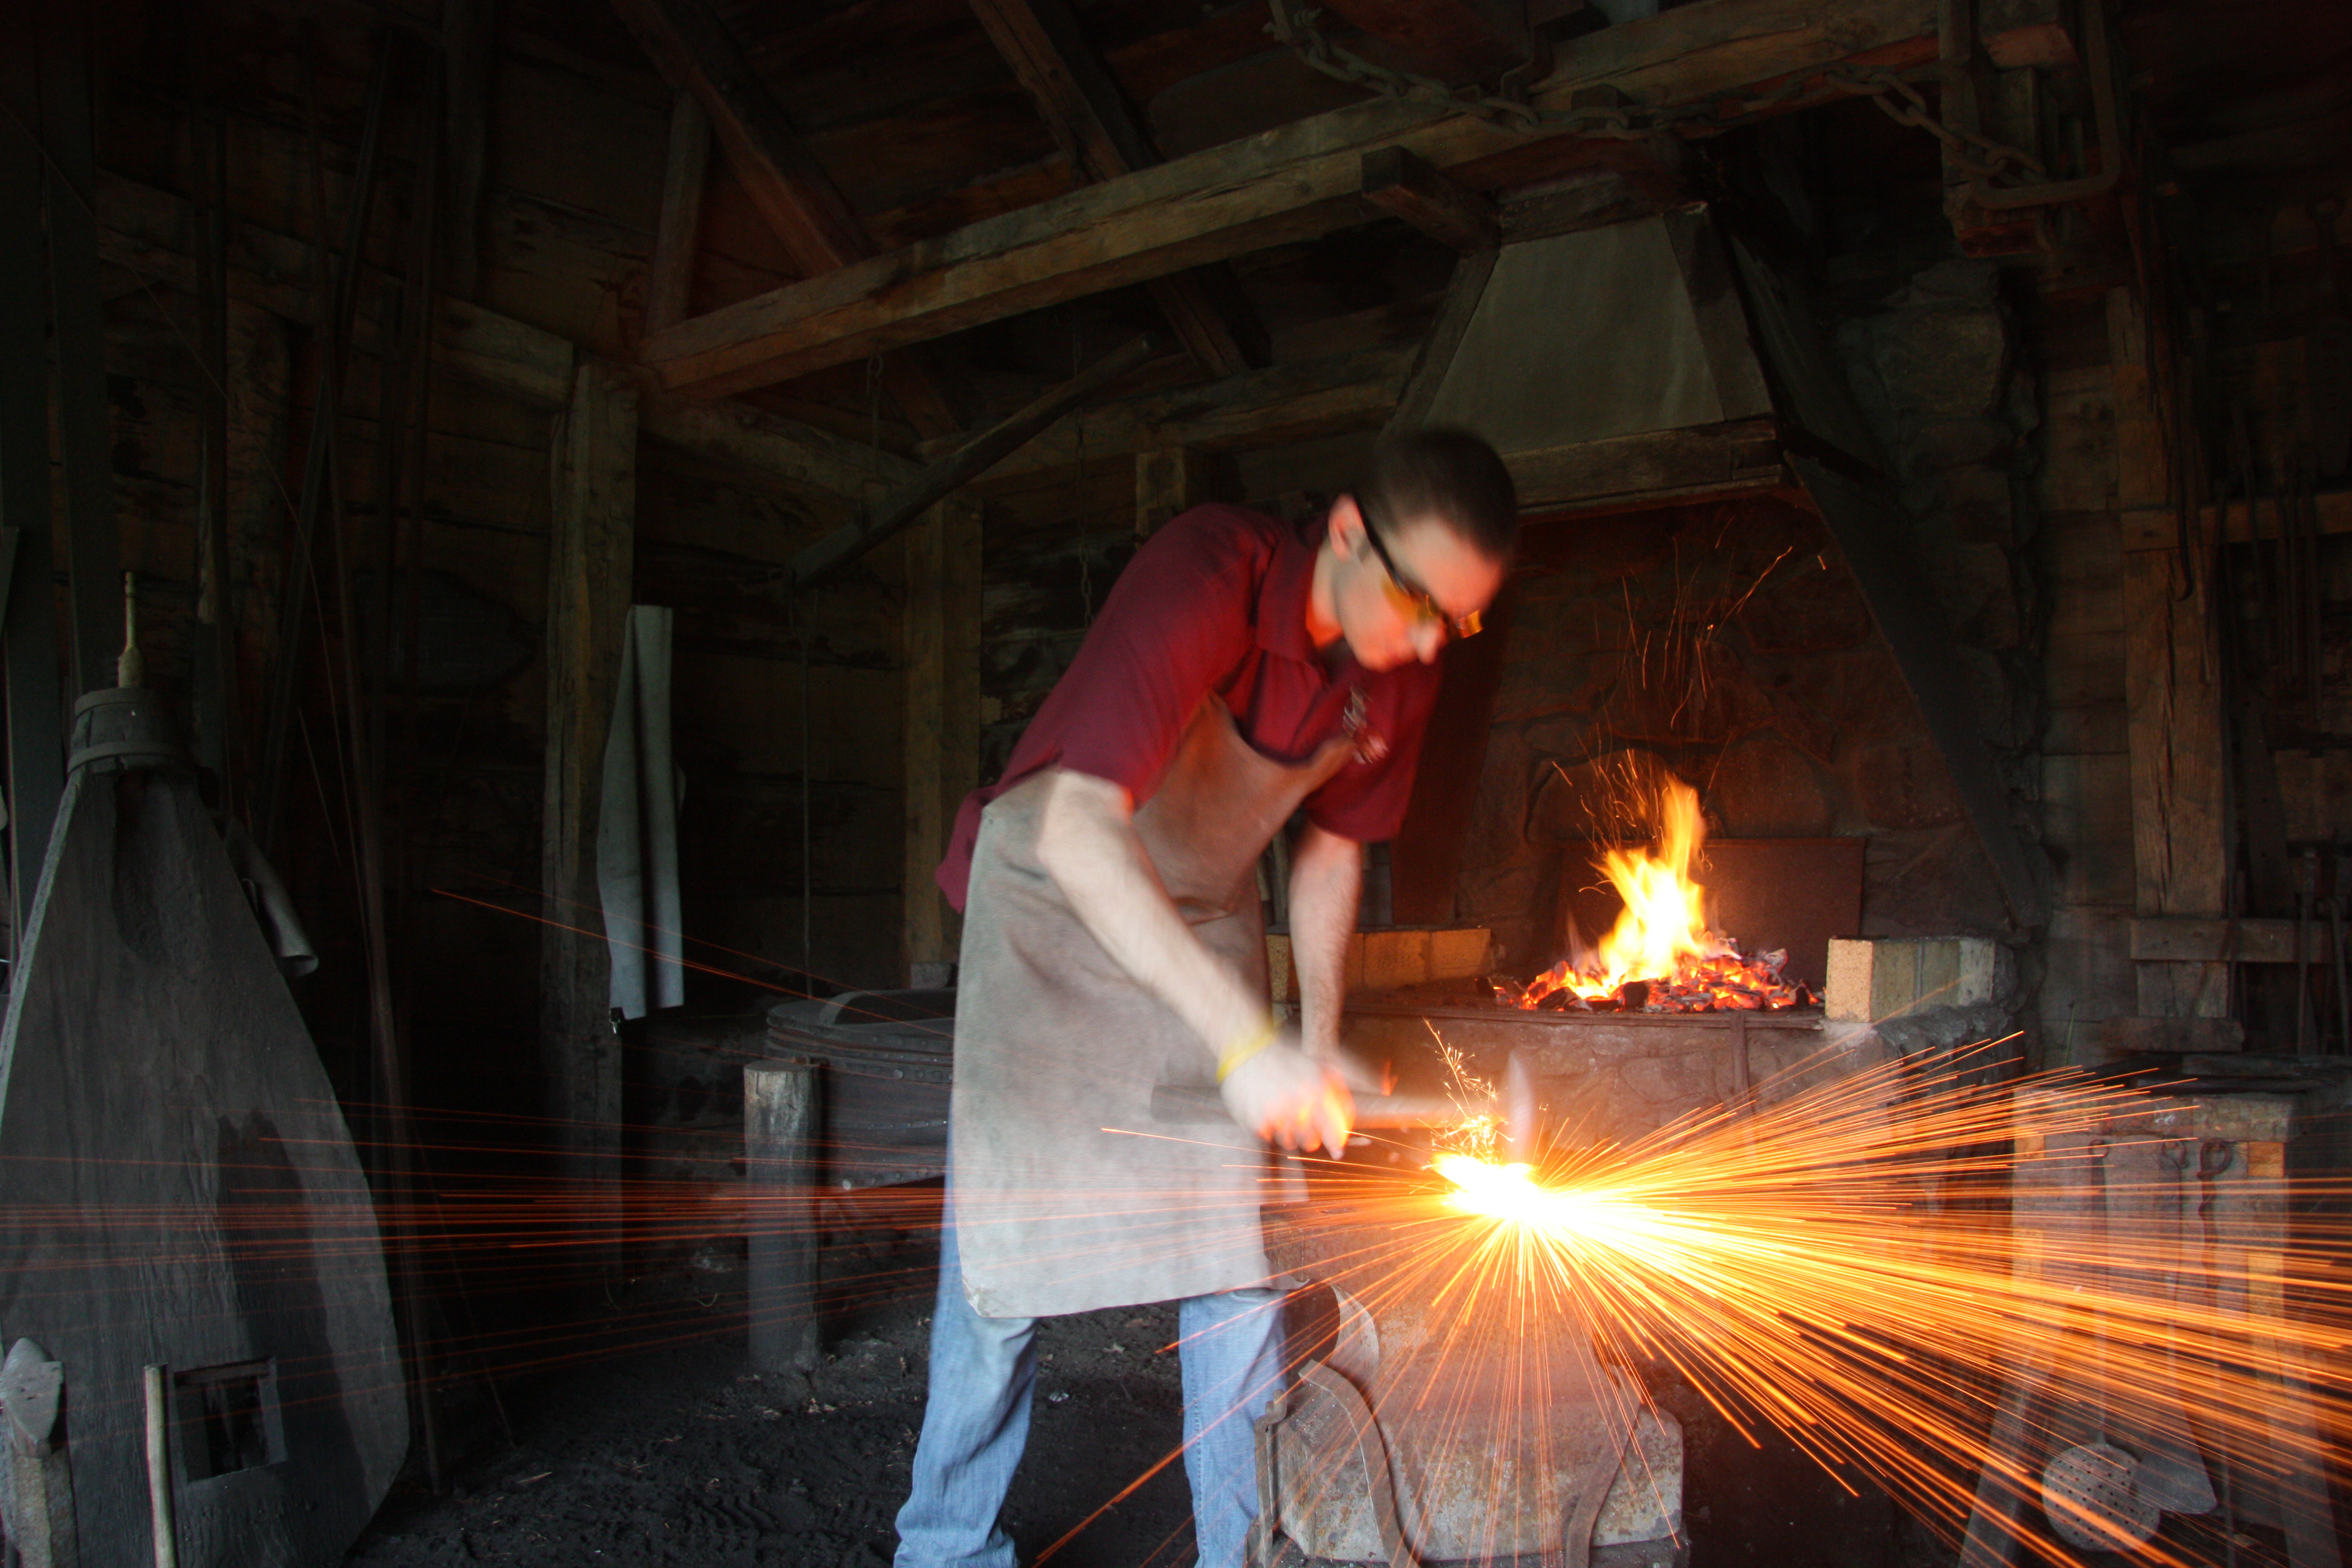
[(1086, 842), (1326, 876)]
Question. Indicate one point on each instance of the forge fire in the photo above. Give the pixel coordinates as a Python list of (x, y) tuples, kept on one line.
[(1664, 955)]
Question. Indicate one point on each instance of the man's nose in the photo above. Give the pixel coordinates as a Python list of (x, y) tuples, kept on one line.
[(1428, 640)]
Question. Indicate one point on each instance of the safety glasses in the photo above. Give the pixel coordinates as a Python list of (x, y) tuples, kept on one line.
[(1410, 597)]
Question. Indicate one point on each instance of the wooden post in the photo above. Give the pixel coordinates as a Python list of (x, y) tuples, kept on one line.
[(1168, 481), (2171, 688), (780, 1175), (670, 282), (942, 749), (156, 1381), (39, 1472), (92, 549), (588, 577), (36, 750), (469, 49), (2248, 1217)]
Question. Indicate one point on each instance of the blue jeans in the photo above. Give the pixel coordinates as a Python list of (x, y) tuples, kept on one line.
[(976, 1421)]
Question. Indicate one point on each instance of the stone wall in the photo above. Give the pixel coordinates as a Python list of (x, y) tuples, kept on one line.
[(1727, 642)]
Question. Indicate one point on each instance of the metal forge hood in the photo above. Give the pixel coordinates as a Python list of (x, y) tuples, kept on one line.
[(179, 1187)]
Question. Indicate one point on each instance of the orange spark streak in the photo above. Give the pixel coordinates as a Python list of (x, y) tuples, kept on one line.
[(1793, 1267)]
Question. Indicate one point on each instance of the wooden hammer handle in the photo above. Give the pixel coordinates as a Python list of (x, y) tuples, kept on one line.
[(1170, 1103)]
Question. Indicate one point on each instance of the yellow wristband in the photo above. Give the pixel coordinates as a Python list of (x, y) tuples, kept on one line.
[(1246, 1047)]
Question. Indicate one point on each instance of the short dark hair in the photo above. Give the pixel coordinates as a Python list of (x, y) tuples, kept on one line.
[(1448, 474)]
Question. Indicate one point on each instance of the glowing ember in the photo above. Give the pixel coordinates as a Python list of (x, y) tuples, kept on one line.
[(1661, 957)]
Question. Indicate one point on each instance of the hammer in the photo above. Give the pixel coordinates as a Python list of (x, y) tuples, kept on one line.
[(1515, 1108)]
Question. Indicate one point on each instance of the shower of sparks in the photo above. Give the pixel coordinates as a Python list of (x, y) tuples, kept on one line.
[(1872, 1264)]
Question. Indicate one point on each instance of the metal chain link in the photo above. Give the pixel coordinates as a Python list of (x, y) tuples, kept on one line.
[(1608, 115)]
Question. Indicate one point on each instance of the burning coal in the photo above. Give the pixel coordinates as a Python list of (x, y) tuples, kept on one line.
[(1662, 956)]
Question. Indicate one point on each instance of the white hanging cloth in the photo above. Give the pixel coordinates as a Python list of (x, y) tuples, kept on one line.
[(636, 826)]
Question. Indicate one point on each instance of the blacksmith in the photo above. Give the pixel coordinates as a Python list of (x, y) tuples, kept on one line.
[(1240, 670)]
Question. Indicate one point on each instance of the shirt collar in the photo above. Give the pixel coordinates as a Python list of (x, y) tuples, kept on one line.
[(1282, 602)]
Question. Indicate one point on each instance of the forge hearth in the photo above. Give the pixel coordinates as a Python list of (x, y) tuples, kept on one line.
[(1606, 1076)]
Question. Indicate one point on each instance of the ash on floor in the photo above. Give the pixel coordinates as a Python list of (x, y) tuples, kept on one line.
[(683, 1454)]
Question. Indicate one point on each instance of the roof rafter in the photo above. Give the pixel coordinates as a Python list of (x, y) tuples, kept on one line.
[(694, 51), (1295, 182), (1083, 106)]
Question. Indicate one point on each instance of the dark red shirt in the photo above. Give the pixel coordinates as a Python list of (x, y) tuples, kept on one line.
[(1216, 601)]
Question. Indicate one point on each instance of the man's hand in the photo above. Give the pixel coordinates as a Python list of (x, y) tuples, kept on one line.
[(1360, 1075), (1290, 1099)]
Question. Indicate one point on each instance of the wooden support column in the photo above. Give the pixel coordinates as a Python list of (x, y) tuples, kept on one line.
[(942, 749), (588, 579), (781, 1124), (468, 49), (1168, 481), (36, 759), (38, 1464), (2247, 1231), (671, 281), (259, 384), (92, 549), (2172, 690)]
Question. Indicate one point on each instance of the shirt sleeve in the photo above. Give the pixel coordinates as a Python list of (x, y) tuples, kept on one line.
[(1366, 801), (1176, 622)]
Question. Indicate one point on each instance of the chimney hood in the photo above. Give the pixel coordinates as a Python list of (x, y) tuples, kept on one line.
[(1607, 364), (1664, 360)]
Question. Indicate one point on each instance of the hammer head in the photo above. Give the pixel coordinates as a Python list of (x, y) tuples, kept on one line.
[(1522, 1129)]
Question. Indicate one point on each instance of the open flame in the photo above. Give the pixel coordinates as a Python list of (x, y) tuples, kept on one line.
[(1662, 956)]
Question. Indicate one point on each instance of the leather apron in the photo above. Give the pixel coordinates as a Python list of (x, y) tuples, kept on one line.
[(1067, 1196)]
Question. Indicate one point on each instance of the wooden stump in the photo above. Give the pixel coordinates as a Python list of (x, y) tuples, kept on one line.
[(780, 1124)]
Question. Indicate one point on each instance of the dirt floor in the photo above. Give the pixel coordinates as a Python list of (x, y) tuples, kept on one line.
[(683, 1454), (680, 1454)]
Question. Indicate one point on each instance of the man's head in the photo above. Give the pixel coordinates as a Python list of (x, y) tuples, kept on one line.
[(1416, 549)]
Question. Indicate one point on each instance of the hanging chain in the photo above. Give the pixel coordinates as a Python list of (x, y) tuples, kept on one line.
[(1603, 111)]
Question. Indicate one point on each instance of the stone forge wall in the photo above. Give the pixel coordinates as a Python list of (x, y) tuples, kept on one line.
[(1728, 644)]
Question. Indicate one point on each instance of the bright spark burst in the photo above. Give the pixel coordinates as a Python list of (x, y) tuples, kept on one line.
[(1841, 1266)]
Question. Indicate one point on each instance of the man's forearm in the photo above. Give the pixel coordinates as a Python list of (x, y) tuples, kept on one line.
[(1088, 844), (1327, 876)]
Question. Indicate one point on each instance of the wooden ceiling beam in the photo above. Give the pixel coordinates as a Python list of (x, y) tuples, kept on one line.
[(694, 52), (669, 282), (1294, 183), (1083, 106), (1397, 182), (1460, 40), (1281, 404), (151, 233)]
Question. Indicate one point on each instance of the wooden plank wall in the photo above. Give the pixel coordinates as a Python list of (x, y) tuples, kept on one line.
[(2139, 804), (2086, 786), (576, 148)]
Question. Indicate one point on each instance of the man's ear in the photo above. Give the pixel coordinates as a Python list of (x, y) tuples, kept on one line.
[(1344, 524)]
